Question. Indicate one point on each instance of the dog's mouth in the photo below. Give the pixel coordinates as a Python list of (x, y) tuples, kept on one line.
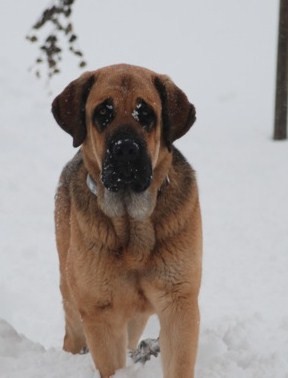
[(126, 165)]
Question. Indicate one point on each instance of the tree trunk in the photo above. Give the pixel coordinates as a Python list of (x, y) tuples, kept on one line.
[(280, 122)]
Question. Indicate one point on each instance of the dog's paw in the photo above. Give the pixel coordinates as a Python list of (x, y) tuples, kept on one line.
[(84, 350), (146, 349)]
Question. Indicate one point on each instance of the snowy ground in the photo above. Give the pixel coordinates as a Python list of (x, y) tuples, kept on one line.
[(223, 55)]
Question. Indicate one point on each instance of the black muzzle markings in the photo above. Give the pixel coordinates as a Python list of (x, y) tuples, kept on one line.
[(126, 164)]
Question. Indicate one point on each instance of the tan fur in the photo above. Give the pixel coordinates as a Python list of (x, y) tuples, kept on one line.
[(123, 258)]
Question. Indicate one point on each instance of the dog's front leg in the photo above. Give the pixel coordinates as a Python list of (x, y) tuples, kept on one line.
[(107, 341), (179, 322)]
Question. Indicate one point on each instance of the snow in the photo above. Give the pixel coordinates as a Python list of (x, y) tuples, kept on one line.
[(135, 114), (222, 54), (146, 348)]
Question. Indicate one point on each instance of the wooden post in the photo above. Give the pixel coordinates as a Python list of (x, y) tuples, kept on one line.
[(281, 101)]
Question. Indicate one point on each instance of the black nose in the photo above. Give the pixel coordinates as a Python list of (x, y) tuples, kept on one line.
[(125, 150)]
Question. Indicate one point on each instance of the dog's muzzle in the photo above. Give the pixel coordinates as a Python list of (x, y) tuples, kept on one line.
[(126, 165)]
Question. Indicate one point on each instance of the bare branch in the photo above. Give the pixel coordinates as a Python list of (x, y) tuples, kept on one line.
[(57, 19)]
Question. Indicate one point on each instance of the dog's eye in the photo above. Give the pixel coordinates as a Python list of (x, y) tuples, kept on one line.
[(103, 114), (145, 115)]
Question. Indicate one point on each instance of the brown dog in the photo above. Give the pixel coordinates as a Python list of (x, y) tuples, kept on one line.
[(127, 218)]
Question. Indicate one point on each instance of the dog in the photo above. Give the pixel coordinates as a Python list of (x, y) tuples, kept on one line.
[(128, 221)]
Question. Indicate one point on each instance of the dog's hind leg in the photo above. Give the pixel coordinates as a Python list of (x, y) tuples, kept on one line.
[(74, 339), (135, 329)]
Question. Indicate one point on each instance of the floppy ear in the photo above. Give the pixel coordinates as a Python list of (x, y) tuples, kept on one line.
[(178, 115), (68, 107)]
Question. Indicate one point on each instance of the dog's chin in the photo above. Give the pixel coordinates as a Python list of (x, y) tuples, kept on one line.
[(134, 201), (127, 186)]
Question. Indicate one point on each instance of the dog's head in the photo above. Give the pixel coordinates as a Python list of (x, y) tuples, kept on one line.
[(126, 119)]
